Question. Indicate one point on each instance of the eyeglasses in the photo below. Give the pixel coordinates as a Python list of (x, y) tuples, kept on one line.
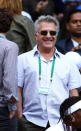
[(45, 32)]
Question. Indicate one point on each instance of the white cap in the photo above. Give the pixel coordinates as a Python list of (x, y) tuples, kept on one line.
[(74, 107), (74, 58)]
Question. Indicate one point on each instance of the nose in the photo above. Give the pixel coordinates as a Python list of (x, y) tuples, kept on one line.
[(48, 34), (79, 22)]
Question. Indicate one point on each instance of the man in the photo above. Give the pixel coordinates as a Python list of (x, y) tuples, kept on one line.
[(45, 80), (73, 25), (8, 75)]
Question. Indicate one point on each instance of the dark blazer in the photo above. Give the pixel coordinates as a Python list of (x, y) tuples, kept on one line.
[(64, 45)]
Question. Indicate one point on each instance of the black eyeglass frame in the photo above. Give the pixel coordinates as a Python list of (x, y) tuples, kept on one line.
[(45, 32)]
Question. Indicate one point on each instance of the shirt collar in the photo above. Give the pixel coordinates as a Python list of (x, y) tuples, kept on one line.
[(57, 53), (36, 52), (75, 43)]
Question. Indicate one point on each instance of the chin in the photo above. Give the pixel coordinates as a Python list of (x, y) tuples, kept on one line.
[(48, 48)]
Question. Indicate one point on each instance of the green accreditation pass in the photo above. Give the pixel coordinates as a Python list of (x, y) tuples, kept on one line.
[(43, 90), (44, 81), (43, 86)]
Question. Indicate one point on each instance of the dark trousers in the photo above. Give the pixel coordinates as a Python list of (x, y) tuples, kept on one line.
[(24, 125), (7, 124)]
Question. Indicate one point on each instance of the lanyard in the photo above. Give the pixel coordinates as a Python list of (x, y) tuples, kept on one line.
[(52, 68)]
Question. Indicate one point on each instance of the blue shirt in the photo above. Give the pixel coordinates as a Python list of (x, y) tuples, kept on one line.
[(8, 73), (39, 108)]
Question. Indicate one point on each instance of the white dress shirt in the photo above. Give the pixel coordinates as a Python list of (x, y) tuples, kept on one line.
[(38, 108)]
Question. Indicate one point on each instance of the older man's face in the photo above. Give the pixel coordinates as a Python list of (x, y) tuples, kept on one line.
[(46, 35)]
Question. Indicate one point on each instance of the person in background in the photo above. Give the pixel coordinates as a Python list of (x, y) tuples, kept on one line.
[(8, 75), (73, 25), (38, 8), (59, 9), (45, 79), (70, 113), (25, 12), (22, 28), (67, 5)]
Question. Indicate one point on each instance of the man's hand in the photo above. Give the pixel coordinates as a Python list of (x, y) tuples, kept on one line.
[(11, 114), (18, 114)]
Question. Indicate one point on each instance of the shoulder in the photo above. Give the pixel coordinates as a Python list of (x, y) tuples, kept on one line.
[(69, 61), (64, 45), (63, 63), (10, 45), (22, 19), (59, 54), (62, 42), (25, 59), (26, 55), (22, 24)]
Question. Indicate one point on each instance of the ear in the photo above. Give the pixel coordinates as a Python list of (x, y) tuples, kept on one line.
[(36, 36)]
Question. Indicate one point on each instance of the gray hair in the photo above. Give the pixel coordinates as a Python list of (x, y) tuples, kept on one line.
[(46, 18)]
